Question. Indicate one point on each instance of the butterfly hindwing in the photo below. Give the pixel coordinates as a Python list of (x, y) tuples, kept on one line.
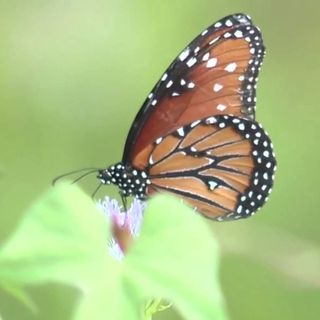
[(223, 166)]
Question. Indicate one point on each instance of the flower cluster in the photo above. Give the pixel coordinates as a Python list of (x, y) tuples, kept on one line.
[(123, 223)]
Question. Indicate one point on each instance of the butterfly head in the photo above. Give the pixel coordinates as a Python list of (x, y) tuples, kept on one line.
[(130, 181)]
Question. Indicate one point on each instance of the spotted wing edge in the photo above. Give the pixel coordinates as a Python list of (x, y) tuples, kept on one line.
[(249, 81), (261, 181)]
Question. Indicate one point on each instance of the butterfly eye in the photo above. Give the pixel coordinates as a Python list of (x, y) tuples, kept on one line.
[(196, 135)]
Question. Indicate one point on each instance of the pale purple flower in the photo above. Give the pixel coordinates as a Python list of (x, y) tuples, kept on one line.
[(130, 221)]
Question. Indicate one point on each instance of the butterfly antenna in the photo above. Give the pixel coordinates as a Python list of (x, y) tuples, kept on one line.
[(72, 172), (95, 191), (83, 175)]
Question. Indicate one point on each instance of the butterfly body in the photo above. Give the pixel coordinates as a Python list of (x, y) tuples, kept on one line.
[(196, 136), (130, 181)]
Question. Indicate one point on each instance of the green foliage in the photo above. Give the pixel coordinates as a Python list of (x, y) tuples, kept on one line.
[(73, 76), (63, 238)]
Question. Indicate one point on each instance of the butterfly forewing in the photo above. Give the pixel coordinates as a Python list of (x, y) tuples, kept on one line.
[(215, 74)]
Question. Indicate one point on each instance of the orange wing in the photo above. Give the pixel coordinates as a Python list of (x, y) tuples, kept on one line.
[(215, 74), (222, 166)]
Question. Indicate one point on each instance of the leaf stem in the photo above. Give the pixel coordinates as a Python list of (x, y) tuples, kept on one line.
[(153, 306)]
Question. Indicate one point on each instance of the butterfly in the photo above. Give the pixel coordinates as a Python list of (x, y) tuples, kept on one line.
[(195, 135)]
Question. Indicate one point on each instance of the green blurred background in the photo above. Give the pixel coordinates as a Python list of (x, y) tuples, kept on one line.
[(74, 74)]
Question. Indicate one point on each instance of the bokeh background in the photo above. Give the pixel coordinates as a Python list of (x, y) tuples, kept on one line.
[(73, 74)]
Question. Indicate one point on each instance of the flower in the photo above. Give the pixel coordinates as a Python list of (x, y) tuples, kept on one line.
[(125, 225)]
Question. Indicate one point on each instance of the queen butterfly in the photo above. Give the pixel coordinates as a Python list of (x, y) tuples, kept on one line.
[(195, 135)]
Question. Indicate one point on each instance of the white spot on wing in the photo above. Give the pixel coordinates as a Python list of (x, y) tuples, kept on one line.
[(212, 62), (212, 185), (191, 62), (211, 120), (221, 107), (206, 56), (204, 32), (231, 67), (164, 77), (183, 55), (217, 87), (238, 34), (180, 132), (214, 40), (159, 140), (193, 124), (229, 23), (169, 84)]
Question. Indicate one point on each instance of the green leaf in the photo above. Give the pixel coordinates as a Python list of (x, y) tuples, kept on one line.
[(20, 295), (176, 258), (63, 238), (60, 238)]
